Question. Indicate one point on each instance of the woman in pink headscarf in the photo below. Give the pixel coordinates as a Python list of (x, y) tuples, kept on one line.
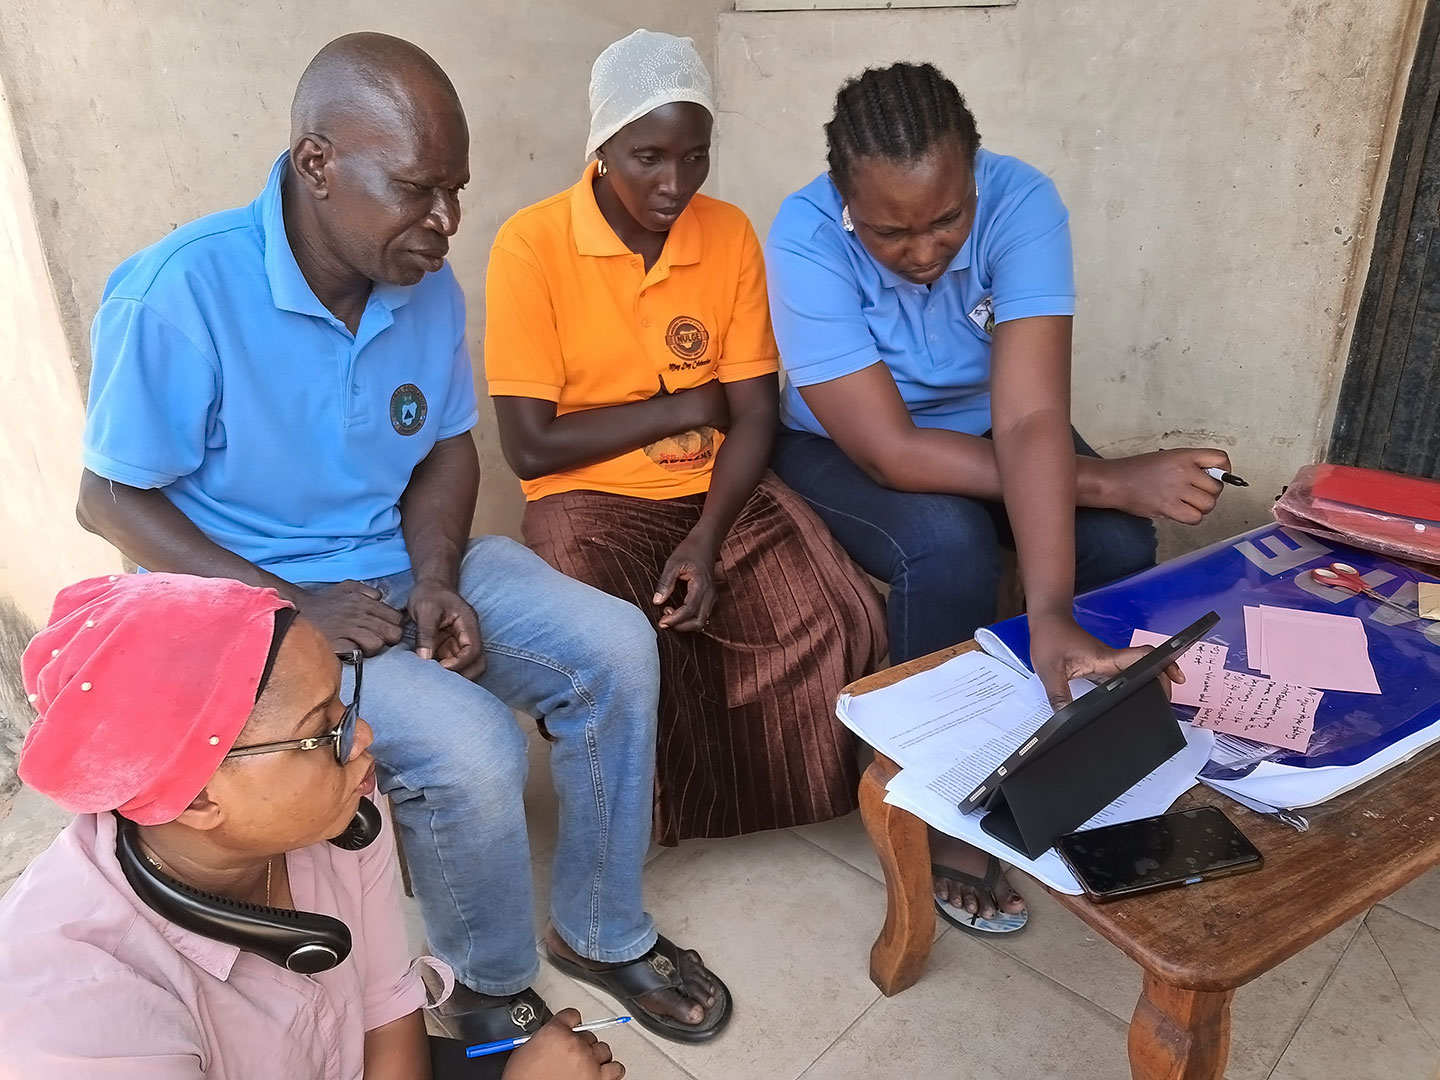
[(192, 921)]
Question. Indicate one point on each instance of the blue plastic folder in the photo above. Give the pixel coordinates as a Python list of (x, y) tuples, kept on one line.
[(1270, 566)]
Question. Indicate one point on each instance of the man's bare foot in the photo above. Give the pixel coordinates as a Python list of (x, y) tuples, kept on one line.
[(958, 855), (687, 1004)]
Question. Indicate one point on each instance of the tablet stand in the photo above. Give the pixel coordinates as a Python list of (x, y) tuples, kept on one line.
[(1067, 784)]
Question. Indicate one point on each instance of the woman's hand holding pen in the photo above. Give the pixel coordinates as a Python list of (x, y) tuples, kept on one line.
[(557, 1051), (1165, 484)]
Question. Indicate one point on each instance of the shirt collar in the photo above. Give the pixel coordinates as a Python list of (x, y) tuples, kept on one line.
[(214, 957), (594, 236), (288, 288), (827, 200)]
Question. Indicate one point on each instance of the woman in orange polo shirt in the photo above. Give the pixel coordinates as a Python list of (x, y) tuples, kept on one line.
[(629, 353)]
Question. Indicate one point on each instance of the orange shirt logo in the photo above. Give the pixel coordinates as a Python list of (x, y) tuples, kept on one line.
[(687, 339)]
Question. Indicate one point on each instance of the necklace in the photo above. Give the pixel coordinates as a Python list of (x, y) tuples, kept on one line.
[(269, 870)]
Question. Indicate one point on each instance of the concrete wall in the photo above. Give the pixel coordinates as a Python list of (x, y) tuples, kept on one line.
[(136, 115), (41, 547), (40, 410), (1221, 164)]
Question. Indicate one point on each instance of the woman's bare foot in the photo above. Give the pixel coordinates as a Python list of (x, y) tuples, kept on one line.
[(958, 855)]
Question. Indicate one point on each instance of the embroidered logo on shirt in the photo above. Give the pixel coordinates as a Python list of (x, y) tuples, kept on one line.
[(983, 315), (687, 337), (689, 365), (407, 409)]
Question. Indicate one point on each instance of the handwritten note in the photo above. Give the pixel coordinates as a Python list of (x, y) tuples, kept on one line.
[(1263, 710), (1203, 665)]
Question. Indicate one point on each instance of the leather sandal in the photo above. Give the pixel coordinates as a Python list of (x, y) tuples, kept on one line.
[(658, 969), (521, 1014), (1002, 922)]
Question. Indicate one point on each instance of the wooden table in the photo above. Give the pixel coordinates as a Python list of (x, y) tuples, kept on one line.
[(1196, 945)]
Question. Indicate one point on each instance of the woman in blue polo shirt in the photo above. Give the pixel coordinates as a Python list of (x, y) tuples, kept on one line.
[(922, 294)]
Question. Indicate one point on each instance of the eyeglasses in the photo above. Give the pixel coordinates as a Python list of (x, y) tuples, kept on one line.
[(343, 736)]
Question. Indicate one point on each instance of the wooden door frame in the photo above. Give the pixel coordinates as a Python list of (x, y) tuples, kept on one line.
[(1388, 411)]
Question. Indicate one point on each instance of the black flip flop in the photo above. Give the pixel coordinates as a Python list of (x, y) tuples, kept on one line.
[(1001, 922), (521, 1014), (658, 969)]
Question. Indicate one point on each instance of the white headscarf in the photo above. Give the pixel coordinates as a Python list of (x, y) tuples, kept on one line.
[(640, 73)]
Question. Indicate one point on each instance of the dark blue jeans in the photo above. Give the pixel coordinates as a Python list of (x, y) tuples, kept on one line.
[(940, 554)]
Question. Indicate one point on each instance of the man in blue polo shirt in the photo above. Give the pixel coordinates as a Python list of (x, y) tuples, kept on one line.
[(282, 394)]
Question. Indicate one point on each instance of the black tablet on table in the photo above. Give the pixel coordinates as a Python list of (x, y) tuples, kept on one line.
[(1086, 708)]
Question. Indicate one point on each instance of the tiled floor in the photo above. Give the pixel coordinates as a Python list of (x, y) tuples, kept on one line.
[(787, 919)]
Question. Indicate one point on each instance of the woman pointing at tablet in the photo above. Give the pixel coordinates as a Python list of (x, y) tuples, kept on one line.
[(922, 294)]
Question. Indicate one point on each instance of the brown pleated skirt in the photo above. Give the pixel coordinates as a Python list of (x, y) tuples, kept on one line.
[(748, 738)]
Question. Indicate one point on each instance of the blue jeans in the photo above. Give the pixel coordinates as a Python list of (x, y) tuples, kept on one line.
[(452, 758), (940, 554)]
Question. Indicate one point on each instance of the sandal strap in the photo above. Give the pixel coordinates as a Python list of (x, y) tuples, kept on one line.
[(658, 969), (993, 870), (521, 1014)]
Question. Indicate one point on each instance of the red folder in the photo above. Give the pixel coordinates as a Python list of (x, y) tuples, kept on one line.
[(1379, 511)]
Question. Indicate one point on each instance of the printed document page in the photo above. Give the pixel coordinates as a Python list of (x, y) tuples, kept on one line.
[(970, 710)]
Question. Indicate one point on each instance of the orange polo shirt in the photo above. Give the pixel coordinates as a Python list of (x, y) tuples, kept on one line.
[(572, 317)]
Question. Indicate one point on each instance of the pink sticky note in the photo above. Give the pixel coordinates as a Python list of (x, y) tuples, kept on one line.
[(1317, 649), (1254, 643), (1264, 711), (1203, 665)]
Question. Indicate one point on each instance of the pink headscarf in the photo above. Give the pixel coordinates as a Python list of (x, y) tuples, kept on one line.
[(142, 683)]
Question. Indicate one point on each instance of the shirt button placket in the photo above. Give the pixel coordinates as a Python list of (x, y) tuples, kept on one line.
[(353, 402)]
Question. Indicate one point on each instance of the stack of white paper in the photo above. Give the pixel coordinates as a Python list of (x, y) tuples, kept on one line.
[(949, 727), (1271, 784), (969, 704)]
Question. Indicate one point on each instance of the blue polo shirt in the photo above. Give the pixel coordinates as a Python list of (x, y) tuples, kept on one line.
[(836, 310), (219, 377)]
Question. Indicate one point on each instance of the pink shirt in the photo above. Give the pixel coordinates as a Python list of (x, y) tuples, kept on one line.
[(93, 984)]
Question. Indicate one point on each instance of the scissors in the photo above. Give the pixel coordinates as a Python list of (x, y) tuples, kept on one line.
[(1339, 575)]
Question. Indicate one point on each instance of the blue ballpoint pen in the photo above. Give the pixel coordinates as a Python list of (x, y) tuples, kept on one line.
[(486, 1049)]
